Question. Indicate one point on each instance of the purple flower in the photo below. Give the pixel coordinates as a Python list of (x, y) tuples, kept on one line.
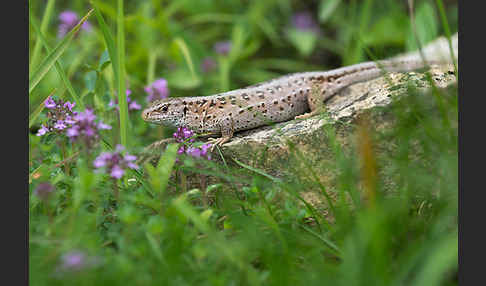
[(222, 48), (103, 126), (181, 136), (116, 172), (157, 90), (60, 116), (74, 260), (305, 21), (85, 128), (119, 148), (181, 149), (101, 160), (132, 104), (208, 64), (69, 105), (115, 162), (204, 151), (43, 130), (69, 120), (50, 103), (60, 125), (87, 116), (130, 158), (72, 132), (194, 152), (68, 20), (44, 190)]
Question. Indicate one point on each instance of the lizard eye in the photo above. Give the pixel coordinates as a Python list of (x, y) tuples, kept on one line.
[(164, 108)]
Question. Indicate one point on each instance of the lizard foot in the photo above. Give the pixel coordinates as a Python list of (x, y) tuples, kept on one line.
[(218, 141), (306, 115)]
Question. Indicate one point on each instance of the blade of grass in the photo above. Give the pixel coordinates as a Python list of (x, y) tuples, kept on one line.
[(110, 43), (326, 241), (152, 59), (260, 172), (43, 28), (187, 55), (447, 31), (122, 99), (57, 65), (49, 61), (33, 116)]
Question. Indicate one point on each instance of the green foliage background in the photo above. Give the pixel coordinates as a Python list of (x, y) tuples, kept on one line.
[(255, 231)]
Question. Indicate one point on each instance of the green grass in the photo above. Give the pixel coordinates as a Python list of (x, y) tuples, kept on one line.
[(184, 221)]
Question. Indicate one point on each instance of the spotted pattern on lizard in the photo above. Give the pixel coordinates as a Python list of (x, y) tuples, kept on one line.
[(277, 100)]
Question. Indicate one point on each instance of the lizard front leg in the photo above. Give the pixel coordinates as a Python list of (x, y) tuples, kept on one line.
[(317, 96), (227, 131), (315, 101)]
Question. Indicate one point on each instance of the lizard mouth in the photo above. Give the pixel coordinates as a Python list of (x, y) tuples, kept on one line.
[(146, 115)]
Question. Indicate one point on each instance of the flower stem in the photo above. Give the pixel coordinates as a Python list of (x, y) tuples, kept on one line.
[(116, 191), (65, 163)]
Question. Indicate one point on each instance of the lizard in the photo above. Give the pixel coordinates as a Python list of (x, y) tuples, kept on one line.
[(293, 96)]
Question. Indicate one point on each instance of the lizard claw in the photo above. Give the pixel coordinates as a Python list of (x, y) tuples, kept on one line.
[(217, 141), (308, 114), (304, 116)]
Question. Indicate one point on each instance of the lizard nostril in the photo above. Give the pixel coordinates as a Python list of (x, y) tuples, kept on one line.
[(145, 114)]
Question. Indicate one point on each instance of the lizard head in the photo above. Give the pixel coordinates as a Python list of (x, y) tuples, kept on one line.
[(167, 111)]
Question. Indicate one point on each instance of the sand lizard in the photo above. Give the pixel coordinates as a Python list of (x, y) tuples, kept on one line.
[(277, 100)]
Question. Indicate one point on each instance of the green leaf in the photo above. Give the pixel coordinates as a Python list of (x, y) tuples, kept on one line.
[(159, 176), (181, 205), (104, 61), (387, 31), (182, 79), (427, 26), (166, 164), (121, 90), (445, 26), (182, 46), (441, 259), (109, 42), (327, 8), (304, 41), (53, 56), (90, 80), (58, 65), (43, 29)]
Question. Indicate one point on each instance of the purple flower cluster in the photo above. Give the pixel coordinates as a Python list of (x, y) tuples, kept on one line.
[(208, 64), (75, 261), (157, 90), (44, 190), (182, 135), (115, 163), (132, 104), (305, 21), (222, 48), (60, 116), (85, 128), (68, 20)]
